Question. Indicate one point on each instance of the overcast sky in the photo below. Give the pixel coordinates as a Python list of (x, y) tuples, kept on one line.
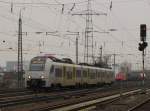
[(52, 16)]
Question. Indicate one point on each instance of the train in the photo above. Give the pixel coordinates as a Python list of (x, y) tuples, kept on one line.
[(48, 72)]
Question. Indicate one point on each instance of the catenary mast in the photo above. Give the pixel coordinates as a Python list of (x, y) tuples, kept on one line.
[(20, 59)]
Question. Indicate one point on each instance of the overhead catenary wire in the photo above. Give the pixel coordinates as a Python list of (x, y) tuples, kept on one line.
[(38, 3), (27, 21), (116, 39), (123, 28), (103, 31)]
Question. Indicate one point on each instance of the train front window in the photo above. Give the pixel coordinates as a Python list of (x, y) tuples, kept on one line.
[(37, 64)]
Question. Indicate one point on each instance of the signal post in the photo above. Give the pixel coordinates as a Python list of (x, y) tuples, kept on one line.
[(142, 45)]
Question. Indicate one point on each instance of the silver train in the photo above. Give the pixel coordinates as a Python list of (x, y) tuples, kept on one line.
[(45, 73)]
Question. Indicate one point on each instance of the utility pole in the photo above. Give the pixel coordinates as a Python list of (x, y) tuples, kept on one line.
[(143, 82), (114, 63), (77, 36), (77, 48), (101, 53), (39, 45), (88, 46), (20, 58), (143, 59), (88, 34)]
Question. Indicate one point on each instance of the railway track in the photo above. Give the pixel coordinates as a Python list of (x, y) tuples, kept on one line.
[(55, 99), (14, 94), (127, 102), (141, 106), (48, 97), (12, 101), (19, 92), (79, 103), (12, 90), (23, 98), (16, 98)]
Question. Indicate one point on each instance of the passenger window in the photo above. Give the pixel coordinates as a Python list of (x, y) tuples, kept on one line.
[(78, 73), (69, 75), (98, 74), (92, 74), (58, 72), (84, 73), (52, 69)]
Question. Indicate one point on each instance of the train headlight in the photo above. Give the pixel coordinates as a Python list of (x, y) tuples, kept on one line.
[(29, 77), (42, 77)]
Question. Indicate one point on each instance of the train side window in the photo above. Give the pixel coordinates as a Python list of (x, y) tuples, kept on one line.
[(88, 73), (102, 74), (92, 74), (64, 70), (84, 73), (98, 74), (78, 73), (52, 69), (58, 72), (74, 69), (109, 74), (105, 74), (69, 74)]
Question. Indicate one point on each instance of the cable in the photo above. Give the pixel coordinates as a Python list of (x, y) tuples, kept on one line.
[(125, 1), (123, 27), (32, 23), (45, 4)]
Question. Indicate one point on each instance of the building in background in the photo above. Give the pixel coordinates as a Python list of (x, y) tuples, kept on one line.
[(12, 65), (10, 75)]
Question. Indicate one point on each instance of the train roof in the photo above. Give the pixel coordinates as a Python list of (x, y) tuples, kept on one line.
[(69, 62), (77, 65)]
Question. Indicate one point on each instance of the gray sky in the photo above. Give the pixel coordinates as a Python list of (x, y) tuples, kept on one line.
[(47, 16)]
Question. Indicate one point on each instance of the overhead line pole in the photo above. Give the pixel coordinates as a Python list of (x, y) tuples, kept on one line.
[(143, 67), (77, 36), (114, 63), (77, 48), (100, 55), (88, 32), (20, 58)]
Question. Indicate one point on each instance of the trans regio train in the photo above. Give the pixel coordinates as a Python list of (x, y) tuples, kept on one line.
[(45, 72)]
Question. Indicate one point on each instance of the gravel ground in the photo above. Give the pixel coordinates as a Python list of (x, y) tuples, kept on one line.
[(123, 103)]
